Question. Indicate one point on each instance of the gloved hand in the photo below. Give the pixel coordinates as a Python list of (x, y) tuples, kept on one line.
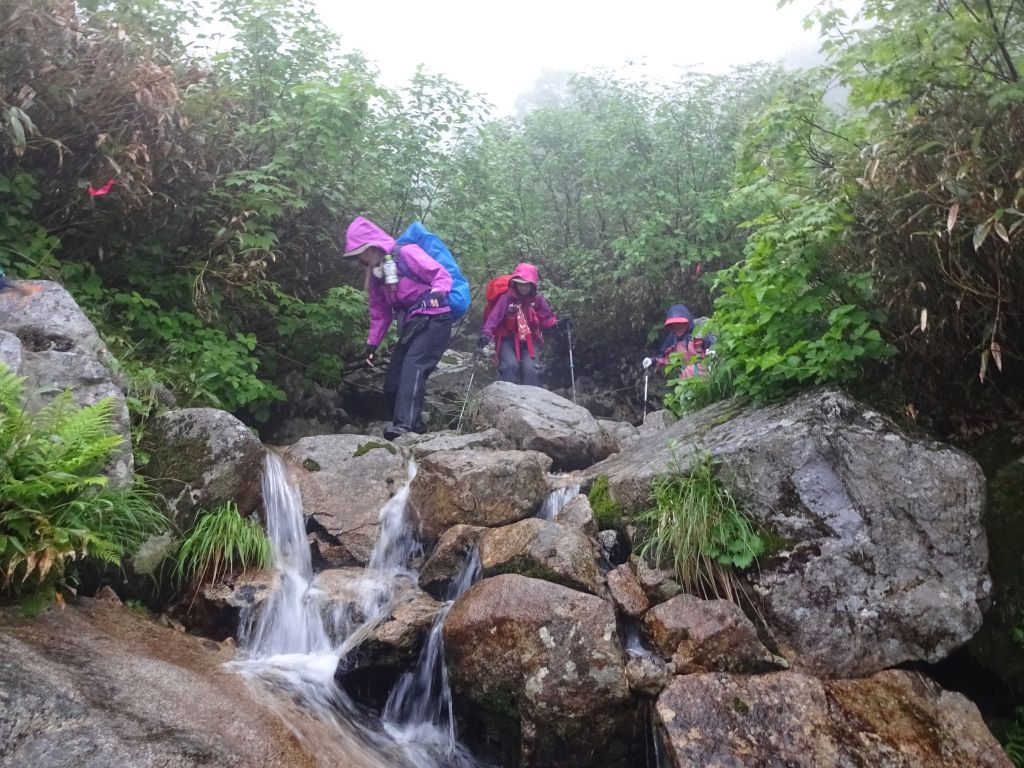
[(698, 345), (437, 299), (565, 321), (483, 341), (368, 354), (647, 363)]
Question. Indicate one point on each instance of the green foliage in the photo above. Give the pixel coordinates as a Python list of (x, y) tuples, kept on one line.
[(221, 541), (1013, 739), (688, 395), (55, 505), (26, 250), (786, 317), (696, 528), (607, 514)]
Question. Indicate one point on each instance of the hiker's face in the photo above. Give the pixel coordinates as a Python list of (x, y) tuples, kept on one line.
[(679, 329), (372, 256), (523, 289)]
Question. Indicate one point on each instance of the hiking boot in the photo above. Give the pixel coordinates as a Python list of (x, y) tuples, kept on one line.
[(390, 433)]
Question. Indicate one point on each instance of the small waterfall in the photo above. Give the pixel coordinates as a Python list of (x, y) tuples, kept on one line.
[(422, 699), (291, 622), (289, 649), (557, 499)]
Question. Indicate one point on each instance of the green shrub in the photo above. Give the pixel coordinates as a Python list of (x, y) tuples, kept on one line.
[(787, 316), (220, 541), (696, 528), (56, 506)]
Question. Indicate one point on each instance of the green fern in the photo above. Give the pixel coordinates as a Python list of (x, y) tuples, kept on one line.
[(220, 541), (56, 506)]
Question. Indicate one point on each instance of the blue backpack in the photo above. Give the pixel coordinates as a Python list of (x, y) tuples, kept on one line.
[(417, 234)]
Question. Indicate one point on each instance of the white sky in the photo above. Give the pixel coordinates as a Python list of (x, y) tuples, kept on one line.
[(500, 48)]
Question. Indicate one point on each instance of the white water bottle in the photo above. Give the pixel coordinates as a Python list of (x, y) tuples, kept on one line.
[(390, 271)]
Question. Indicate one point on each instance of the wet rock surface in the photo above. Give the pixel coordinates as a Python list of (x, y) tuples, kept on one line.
[(476, 487), (892, 719), (541, 664), (344, 480), (201, 458), (97, 685), (880, 553), (537, 420)]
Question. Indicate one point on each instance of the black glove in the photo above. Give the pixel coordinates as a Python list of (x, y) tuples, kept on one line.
[(565, 321), (437, 299), (368, 354), (483, 341)]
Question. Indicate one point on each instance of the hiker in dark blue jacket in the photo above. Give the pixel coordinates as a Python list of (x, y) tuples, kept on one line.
[(681, 338)]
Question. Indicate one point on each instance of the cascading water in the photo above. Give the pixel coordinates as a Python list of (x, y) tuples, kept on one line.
[(420, 704), (290, 649), (557, 499)]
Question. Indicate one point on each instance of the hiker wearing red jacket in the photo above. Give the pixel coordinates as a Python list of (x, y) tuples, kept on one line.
[(517, 321)]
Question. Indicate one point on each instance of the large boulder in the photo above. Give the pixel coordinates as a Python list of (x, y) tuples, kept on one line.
[(46, 338), (201, 458), (344, 480), (477, 487), (97, 685), (707, 635), (894, 719), (537, 420), (877, 534), (537, 667), (432, 442), (544, 550)]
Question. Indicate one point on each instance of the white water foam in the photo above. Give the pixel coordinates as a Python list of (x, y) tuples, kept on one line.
[(289, 647)]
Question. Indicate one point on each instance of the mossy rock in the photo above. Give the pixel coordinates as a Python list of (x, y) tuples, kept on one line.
[(365, 448), (607, 514)]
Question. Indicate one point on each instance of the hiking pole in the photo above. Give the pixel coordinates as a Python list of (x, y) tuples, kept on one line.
[(572, 368), (647, 374), (469, 389)]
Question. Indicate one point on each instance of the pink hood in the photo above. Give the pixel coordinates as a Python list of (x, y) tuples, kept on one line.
[(526, 272), (362, 231)]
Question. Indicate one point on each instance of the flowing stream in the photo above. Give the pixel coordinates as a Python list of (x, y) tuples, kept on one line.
[(557, 499), (289, 646)]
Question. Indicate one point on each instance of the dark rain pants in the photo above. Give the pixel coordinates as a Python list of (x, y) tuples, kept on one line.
[(423, 340), (523, 371)]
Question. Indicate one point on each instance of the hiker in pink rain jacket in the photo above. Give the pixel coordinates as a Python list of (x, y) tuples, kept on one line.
[(407, 285), (517, 322)]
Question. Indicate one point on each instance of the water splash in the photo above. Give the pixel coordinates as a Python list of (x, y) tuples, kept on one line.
[(289, 649), (291, 622), (421, 702), (557, 499)]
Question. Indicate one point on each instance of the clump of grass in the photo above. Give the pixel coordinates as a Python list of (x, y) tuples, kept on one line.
[(220, 542), (696, 528)]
